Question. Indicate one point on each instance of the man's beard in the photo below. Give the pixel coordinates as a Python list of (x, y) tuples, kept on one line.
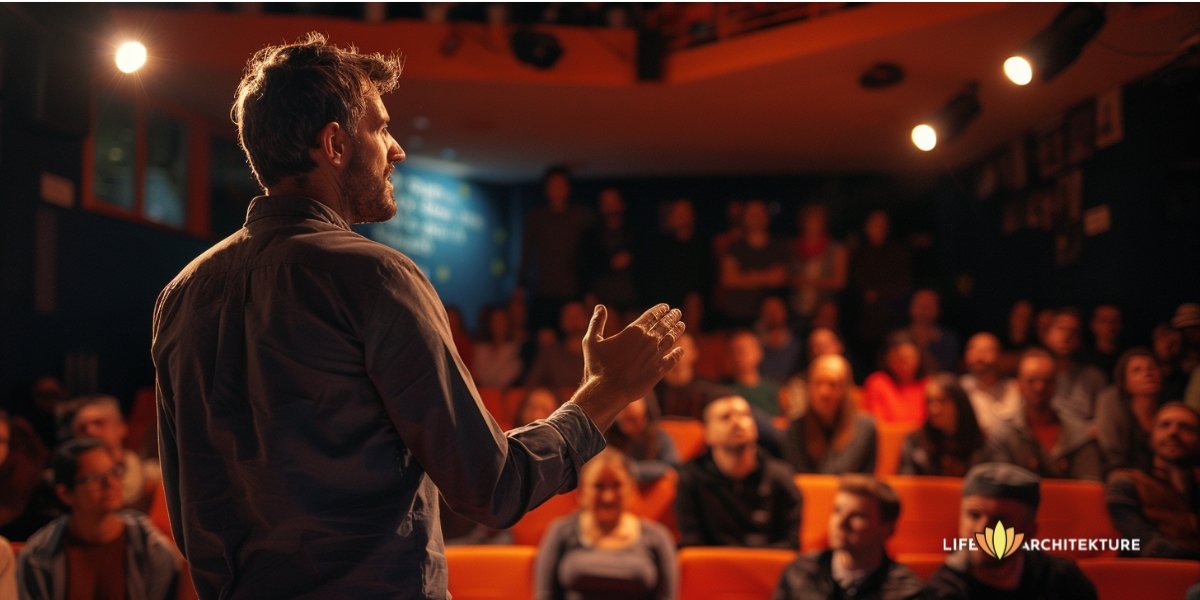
[(366, 192)]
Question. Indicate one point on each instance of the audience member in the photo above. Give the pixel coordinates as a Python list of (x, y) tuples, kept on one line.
[(753, 267), (1001, 495), (97, 550), (1160, 504), (935, 341), (994, 397), (735, 494), (537, 403), (683, 265), (551, 249), (1050, 440), (1020, 335), (881, 274), (781, 347), (1106, 338), (48, 402), (99, 416), (1187, 321), (1077, 383), (604, 550), (857, 564), (8, 570), (896, 393), (609, 249), (746, 354), (832, 436), (651, 452), (819, 263), (950, 442), (1168, 349), (497, 350), (1125, 411), (26, 497), (681, 393), (793, 395), (1041, 324), (560, 364)]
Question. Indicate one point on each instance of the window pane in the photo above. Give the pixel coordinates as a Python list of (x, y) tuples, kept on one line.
[(112, 160), (166, 170)]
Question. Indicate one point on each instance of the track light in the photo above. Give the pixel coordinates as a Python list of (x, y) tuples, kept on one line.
[(948, 122), (1054, 48)]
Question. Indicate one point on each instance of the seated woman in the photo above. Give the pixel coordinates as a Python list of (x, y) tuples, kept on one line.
[(537, 403), (950, 442), (1125, 410), (896, 393), (832, 436), (604, 550), (497, 351), (651, 451)]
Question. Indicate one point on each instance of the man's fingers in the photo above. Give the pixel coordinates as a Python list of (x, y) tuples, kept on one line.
[(596, 326), (664, 325), (671, 336), (650, 317), (670, 360)]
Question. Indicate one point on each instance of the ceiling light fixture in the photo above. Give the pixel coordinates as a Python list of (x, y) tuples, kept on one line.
[(1054, 48), (948, 122)]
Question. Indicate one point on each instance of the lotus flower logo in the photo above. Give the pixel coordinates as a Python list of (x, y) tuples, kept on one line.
[(999, 542)]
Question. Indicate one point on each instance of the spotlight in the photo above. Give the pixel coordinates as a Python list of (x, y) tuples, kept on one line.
[(948, 122), (1054, 48), (536, 49), (130, 57)]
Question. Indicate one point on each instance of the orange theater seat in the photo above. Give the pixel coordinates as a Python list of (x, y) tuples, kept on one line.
[(818, 492), (493, 401), (688, 435), (510, 402), (1074, 509), (923, 564), (1120, 578), (730, 573), (528, 531), (889, 439), (158, 511), (491, 572), (142, 421), (656, 502), (929, 509)]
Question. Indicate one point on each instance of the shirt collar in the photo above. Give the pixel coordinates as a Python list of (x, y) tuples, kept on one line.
[(263, 207)]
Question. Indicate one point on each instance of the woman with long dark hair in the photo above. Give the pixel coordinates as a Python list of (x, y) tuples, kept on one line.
[(1125, 410), (949, 442)]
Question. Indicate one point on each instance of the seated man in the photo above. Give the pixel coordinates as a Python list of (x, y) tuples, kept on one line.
[(996, 493), (734, 494), (748, 382), (96, 550), (560, 364), (99, 416), (1161, 506), (1051, 439), (856, 565), (994, 397)]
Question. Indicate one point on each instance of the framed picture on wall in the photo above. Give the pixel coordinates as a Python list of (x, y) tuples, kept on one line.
[(1081, 133), (1110, 119), (1070, 196), (1050, 148)]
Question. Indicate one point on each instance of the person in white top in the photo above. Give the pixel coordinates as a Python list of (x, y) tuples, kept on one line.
[(994, 397)]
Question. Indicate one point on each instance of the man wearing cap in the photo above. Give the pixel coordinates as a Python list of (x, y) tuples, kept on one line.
[(1001, 493), (1161, 506)]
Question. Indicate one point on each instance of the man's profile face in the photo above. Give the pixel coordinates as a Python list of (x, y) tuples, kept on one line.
[(855, 524), (827, 381), (367, 180), (728, 423), (1176, 436), (980, 512)]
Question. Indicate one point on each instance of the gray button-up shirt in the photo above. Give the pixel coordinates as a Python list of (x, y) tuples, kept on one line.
[(310, 398)]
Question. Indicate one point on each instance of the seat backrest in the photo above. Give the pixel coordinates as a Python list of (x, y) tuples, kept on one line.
[(730, 573), (889, 438), (493, 401), (656, 502), (528, 531), (1120, 578), (688, 435), (1074, 509), (818, 492), (929, 508), (491, 572)]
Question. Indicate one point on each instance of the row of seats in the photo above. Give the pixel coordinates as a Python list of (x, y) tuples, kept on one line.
[(929, 512), (506, 573)]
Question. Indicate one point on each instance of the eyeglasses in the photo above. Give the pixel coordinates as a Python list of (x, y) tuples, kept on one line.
[(94, 481)]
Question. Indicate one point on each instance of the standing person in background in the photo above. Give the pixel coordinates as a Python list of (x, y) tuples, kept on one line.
[(819, 263), (551, 249), (682, 274), (881, 274), (335, 407), (754, 267), (609, 249)]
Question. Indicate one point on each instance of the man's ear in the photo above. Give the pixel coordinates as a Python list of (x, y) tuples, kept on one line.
[(332, 145)]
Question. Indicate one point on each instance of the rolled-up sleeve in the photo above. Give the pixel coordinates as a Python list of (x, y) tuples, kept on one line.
[(484, 474)]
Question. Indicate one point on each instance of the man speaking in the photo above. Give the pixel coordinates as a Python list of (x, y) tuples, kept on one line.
[(311, 401)]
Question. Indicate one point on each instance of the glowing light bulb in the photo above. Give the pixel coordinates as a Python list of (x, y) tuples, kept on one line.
[(1018, 70), (130, 57), (924, 137)]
